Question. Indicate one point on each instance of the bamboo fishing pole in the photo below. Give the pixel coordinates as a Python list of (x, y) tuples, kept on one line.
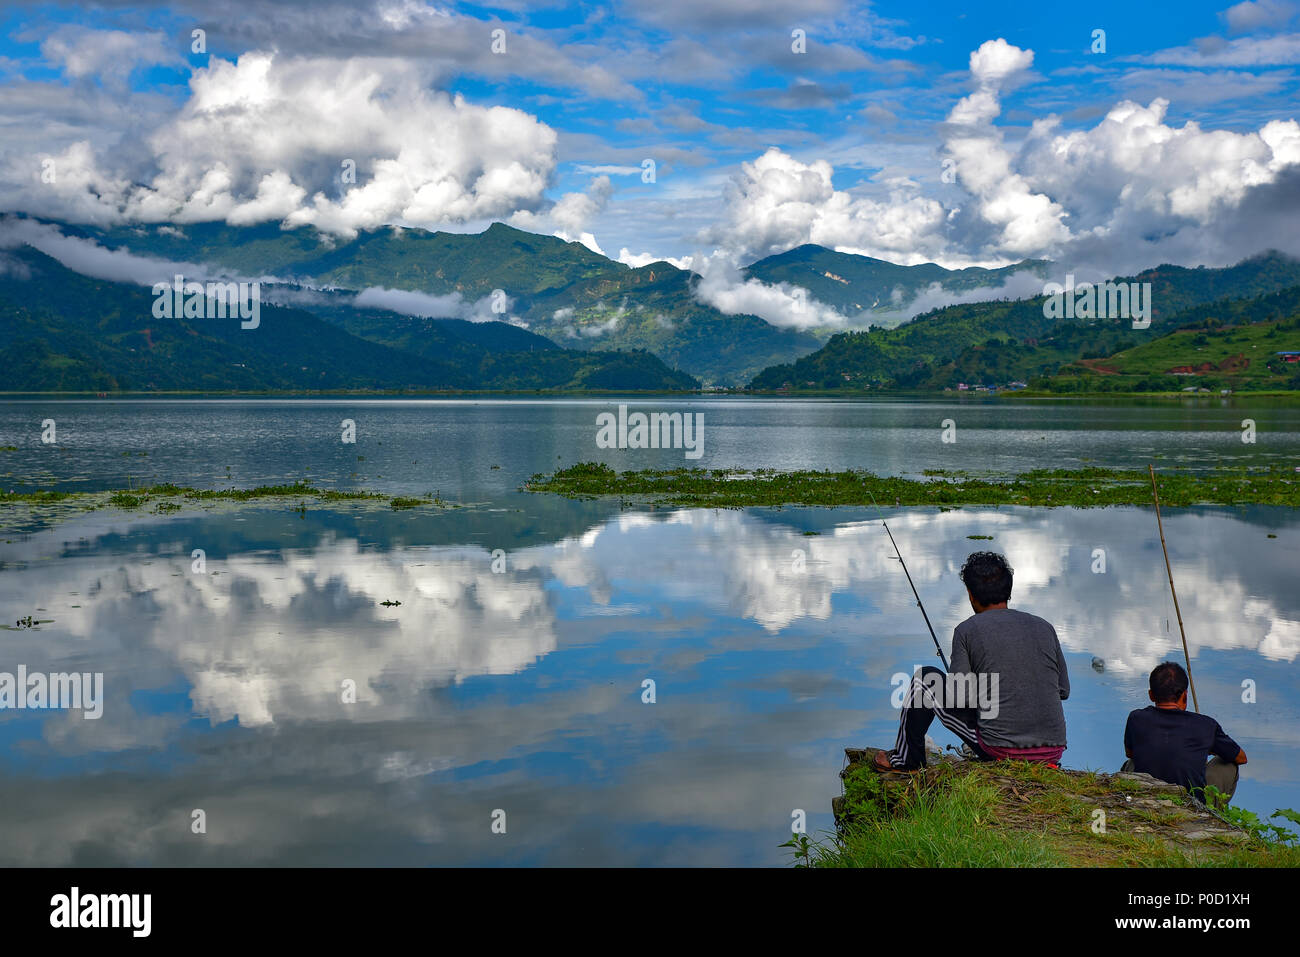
[(938, 649), (1169, 571)]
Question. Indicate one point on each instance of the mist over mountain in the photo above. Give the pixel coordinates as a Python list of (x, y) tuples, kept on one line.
[(856, 285)]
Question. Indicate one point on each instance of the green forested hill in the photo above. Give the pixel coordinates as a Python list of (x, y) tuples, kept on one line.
[(995, 343), (1232, 345), (68, 332), (473, 264)]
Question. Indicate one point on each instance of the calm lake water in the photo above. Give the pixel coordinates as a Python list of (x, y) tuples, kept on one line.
[(510, 676)]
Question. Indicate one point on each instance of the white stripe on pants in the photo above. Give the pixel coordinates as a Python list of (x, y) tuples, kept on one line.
[(919, 695)]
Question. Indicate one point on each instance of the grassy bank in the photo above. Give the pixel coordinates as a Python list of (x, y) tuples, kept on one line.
[(734, 488), (1014, 814)]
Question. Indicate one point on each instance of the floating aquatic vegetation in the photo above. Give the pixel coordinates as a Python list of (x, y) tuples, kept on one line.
[(1087, 487)]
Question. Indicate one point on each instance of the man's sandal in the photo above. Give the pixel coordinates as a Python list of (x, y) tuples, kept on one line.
[(882, 764)]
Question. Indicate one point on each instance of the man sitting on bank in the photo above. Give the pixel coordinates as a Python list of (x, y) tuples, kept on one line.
[(1168, 742), (1015, 662)]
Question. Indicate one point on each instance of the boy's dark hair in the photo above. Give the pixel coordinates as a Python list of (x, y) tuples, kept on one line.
[(988, 576), (1168, 682)]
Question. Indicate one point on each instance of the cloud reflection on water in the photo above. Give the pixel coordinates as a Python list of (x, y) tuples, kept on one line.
[(523, 687)]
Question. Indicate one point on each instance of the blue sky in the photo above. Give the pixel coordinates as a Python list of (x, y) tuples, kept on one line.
[(883, 137)]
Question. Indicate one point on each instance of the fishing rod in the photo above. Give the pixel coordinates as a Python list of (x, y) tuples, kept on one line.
[(1169, 571), (938, 649)]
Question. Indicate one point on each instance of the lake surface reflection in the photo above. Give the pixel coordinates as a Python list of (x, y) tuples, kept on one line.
[(484, 449), (510, 676)]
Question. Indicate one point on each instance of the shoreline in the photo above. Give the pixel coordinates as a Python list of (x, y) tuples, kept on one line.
[(734, 392)]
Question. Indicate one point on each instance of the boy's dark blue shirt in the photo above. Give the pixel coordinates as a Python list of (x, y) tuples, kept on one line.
[(1173, 745)]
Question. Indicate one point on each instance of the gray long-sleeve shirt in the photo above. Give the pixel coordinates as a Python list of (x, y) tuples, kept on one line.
[(1024, 653)]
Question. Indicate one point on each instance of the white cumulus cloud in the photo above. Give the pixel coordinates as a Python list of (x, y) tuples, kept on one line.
[(1132, 191), (271, 137)]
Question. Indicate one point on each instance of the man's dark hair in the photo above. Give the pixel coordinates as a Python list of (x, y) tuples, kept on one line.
[(988, 576), (1168, 682)]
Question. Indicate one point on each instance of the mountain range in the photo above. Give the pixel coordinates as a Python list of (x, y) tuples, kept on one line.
[(504, 309), (575, 297), (564, 291)]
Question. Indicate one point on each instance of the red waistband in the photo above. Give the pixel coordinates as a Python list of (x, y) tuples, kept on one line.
[(1049, 754)]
